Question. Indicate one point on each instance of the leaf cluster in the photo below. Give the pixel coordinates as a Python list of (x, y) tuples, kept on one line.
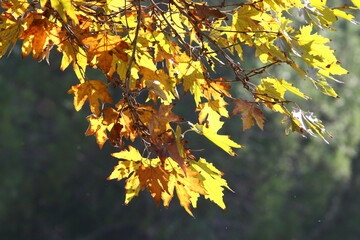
[(164, 50)]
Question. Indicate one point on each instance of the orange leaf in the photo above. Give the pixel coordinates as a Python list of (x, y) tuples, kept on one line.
[(154, 178), (110, 115), (161, 119), (93, 91), (184, 197), (36, 36), (188, 189), (193, 183), (104, 47), (104, 61)]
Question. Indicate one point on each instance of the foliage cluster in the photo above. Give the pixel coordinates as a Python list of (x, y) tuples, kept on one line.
[(164, 50)]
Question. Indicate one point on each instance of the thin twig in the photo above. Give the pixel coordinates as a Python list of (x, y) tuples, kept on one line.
[(134, 43)]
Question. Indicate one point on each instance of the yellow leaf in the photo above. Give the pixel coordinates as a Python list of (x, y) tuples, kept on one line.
[(10, 31), (188, 186), (193, 79), (276, 88), (17, 8), (326, 88), (132, 187), (317, 55), (132, 154), (210, 178), (123, 170), (159, 83), (43, 3), (64, 7), (308, 122), (211, 110), (184, 197), (210, 131), (97, 128), (356, 3), (344, 15), (115, 5)]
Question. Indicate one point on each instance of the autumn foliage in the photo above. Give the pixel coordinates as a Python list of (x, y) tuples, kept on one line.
[(164, 50)]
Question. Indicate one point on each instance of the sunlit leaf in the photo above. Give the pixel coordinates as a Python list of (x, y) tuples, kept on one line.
[(210, 132), (93, 91)]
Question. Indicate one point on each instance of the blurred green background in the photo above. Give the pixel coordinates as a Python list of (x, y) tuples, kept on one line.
[(53, 179)]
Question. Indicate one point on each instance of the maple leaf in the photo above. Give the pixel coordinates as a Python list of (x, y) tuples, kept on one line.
[(210, 132), (132, 154), (10, 30), (132, 188), (175, 153), (64, 8), (154, 178), (276, 88), (301, 122), (123, 170), (74, 54), (159, 82), (104, 47), (97, 128), (110, 115), (93, 91), (193, 76), (160, 120), (184, 197), (272, 92), (210, 178), (212, 110), (248, 113), (188, 187), (38, 36)]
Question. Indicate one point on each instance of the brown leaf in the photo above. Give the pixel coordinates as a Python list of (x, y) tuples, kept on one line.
[(204, 12), (248, 113), (116, 136)]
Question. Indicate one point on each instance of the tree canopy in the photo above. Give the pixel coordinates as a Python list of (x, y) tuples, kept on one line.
[(156, 53)]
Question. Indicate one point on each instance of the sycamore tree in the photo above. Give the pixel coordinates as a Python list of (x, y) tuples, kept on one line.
[(154, 53)]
